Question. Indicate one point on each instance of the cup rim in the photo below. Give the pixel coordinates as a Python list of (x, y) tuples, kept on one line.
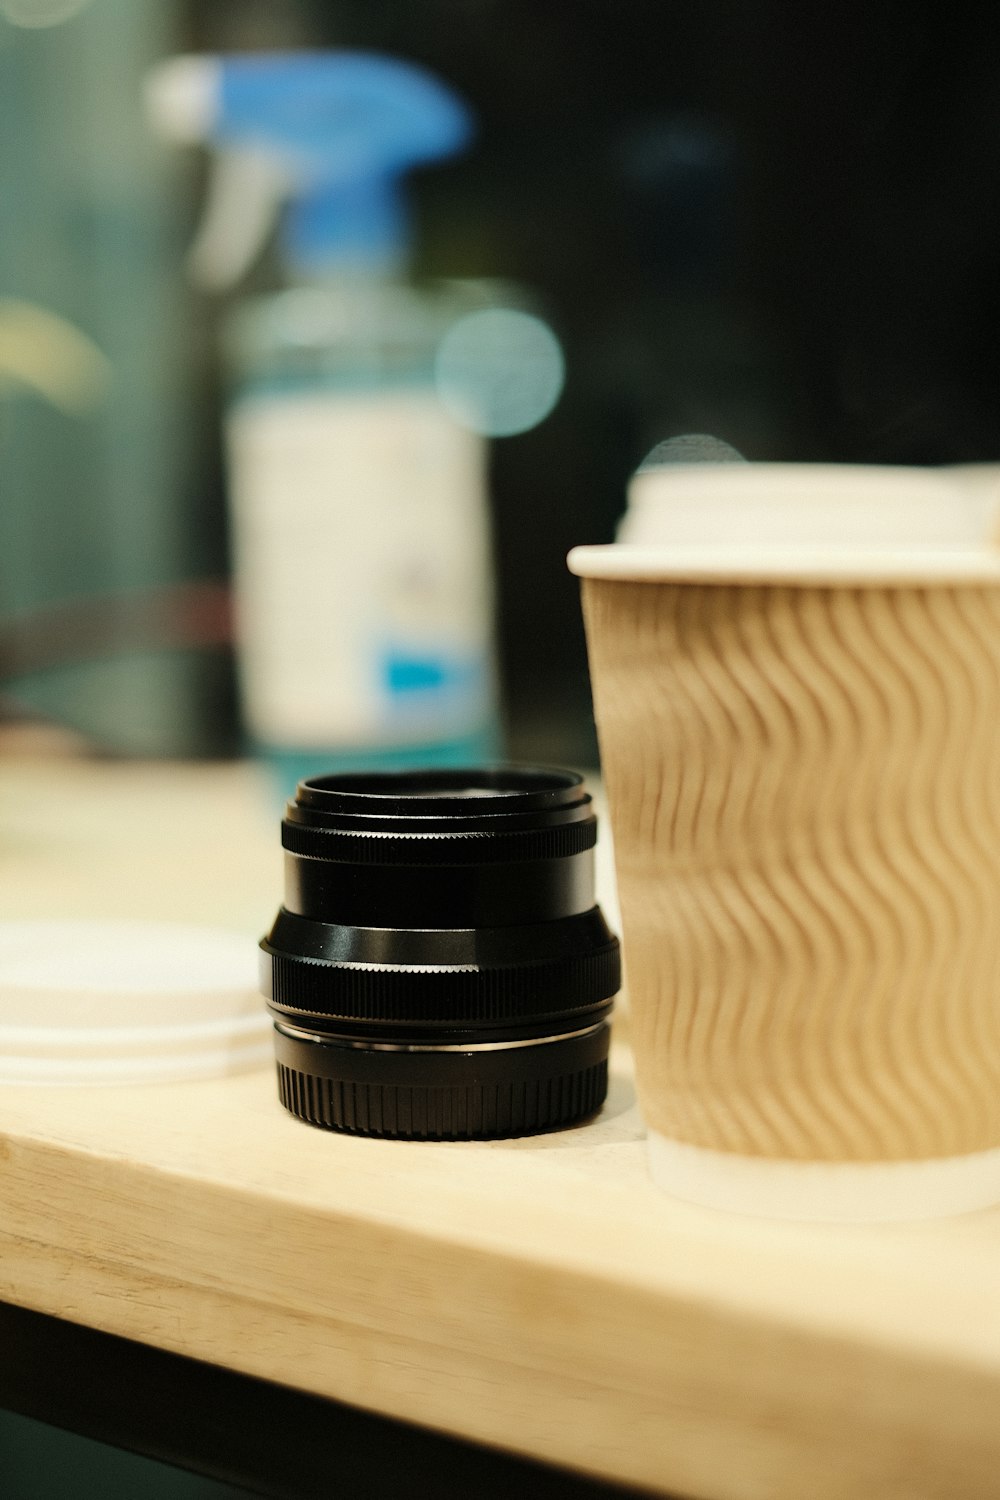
[(794, 567)]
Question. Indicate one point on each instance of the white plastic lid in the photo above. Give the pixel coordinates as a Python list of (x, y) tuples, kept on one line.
[(127, 1002), (801, 523)]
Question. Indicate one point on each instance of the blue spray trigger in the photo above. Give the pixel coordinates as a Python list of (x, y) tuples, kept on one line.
[(361, 222), (341, 109), (345, 126)]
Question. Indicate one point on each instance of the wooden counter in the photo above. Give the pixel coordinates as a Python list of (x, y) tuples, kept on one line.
[(537, 1294)]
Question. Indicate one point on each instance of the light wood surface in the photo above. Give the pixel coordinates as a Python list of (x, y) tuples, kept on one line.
[(539, 1294), (805, 792)]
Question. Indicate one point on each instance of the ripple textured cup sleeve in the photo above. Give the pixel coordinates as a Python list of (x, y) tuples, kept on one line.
[(804, 786)]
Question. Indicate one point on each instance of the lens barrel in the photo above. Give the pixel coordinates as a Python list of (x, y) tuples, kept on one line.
[(439, 969)]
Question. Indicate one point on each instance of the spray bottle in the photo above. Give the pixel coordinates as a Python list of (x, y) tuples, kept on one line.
[(363, 581)]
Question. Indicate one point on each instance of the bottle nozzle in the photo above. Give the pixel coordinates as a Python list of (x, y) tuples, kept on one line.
[(182, 97), (329, 133)]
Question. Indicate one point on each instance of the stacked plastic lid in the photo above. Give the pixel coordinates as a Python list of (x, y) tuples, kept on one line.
[(127, 1002)]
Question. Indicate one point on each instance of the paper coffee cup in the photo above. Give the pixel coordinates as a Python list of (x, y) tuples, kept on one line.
[(802, 761)]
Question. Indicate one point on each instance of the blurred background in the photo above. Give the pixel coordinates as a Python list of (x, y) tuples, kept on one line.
[(773, 225)]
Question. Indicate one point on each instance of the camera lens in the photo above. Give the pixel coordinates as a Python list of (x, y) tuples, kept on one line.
[(439, 969)]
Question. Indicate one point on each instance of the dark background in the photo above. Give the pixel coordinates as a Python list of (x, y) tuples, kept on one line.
[(773, 223)]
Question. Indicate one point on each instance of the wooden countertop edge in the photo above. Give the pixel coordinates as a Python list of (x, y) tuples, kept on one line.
[(622, 1380)]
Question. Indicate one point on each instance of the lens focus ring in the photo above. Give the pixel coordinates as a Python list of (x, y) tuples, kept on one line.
[(359, 848)]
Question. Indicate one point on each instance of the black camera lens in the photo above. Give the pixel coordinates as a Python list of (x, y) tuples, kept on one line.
[(439, 969)]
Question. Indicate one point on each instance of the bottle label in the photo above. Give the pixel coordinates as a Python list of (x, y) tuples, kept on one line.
[(362, 569)]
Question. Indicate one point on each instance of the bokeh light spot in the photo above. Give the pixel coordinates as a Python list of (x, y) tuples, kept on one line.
[(691, 448), (500, 371), (34, 15)]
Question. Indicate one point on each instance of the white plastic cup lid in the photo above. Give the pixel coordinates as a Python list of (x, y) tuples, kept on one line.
[(806, 523), (806, 505), (126, 1002)]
